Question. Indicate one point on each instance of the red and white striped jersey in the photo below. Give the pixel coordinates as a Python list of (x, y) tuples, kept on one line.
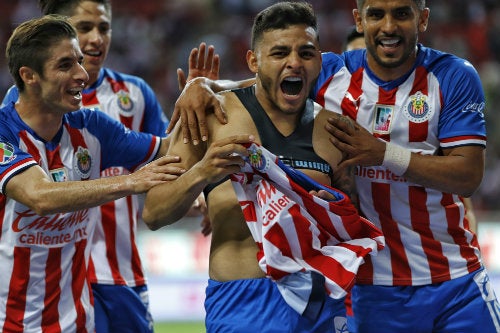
[(44, 259), (114, 254), (438, 104), (130, 100), (296, 231)]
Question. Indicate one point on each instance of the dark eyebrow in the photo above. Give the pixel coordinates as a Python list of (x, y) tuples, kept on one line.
[(280, 47), (303, 47)]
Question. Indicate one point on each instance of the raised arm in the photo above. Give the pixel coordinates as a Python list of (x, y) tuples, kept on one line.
[(34, 189), (198, 94), (202, 63)]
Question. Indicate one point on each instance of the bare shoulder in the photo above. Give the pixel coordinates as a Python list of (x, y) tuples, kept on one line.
[(188, 152), (321, 138), (239, 120)]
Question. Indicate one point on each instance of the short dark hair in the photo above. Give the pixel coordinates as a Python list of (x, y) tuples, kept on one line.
[(420, 4), (67, 7), (30, 44), (282, 15), (352, 34)]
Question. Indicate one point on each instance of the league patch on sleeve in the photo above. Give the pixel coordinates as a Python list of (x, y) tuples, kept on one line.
[(6, 153)]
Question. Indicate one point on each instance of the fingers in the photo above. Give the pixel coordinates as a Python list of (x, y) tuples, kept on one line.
[(181, 79), (323, 195), (206, 226), (195, 120), (201, 56), (229, 151), (219, 113), (194, 56), (204, 62), (339, 128), (167, 159), (236, 143), (214, 73), (173, 120)]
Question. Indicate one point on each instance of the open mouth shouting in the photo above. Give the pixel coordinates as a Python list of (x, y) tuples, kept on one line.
[(292, 86)]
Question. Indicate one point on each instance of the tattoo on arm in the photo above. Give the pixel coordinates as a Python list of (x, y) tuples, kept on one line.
[(348, 121), (344, 181)]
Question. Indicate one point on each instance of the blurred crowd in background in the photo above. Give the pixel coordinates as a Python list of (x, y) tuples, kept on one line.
[(152, 38)]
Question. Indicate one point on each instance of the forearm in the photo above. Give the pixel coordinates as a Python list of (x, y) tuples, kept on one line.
[(221, 85), (343, 180), (459, 171), (169, 202), (49, 198), (443, 174)]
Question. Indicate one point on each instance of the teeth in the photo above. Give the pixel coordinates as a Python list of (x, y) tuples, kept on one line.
[(293, 79), (75, 91), (95, 54), (389, 42)]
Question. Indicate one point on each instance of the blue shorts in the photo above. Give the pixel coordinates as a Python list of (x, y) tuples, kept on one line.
[(121, 309), (466, 304), (256, 305)]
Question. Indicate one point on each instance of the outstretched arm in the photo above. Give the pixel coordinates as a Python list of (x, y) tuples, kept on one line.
[(34, 189)]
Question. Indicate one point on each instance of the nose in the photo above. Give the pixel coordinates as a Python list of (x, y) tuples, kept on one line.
[(95, 36), (389, 24), (81, 74), (294, 60)]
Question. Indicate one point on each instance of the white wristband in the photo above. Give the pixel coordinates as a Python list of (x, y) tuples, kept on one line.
[(396, 158)]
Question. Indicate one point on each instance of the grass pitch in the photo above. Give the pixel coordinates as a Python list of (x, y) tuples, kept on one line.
[(180, 327)]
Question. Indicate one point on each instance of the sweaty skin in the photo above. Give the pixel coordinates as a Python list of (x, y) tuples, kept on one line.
[(231, 237)]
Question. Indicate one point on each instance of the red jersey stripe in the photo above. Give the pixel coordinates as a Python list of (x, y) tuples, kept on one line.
[(418, 131)]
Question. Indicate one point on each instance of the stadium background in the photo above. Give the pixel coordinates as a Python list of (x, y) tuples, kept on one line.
[(153, 38)]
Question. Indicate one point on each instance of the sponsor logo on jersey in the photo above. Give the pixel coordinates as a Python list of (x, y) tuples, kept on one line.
[(474, 107), (418, 110), (82, 162), (6, 153), (59, 175), (257, 160), (383, 119), (125, 103)]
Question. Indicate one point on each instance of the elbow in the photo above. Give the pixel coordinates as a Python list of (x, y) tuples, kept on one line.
[(149, 220), (467, 192), (43, 210), (41, 206), (154, 221), (469, 187)]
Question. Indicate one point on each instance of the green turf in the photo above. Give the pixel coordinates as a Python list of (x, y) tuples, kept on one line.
[(180, 327)]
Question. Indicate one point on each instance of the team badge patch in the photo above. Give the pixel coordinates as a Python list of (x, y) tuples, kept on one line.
[(258, 161), (418, 110), (82, 162), (6, 153), (383, 119), (125, 103)]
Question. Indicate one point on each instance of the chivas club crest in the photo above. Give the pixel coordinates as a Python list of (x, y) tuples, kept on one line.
[(82, 162), (258, 161), (417, 110), (125, 103), (6, 153)]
